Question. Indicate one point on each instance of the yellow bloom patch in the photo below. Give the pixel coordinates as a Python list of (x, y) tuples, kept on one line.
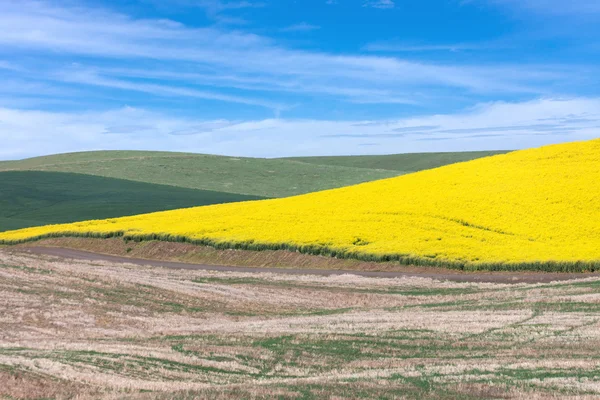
[(538, 205)]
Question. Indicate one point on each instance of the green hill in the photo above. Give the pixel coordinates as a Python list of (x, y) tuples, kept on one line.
[(250, 176), (32, 198), (104, 184), (410, 162)]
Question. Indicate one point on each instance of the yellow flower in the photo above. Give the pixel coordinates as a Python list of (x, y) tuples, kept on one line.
[(532, 206)]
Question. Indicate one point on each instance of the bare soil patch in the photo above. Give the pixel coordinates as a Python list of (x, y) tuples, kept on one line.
[(204, 257), (94, 329)]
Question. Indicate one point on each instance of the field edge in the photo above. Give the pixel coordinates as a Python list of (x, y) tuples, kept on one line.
[(328, 252), (154, 250)]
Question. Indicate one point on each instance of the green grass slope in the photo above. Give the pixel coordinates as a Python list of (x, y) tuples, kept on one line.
[(103, 184), (250, 176), (410, 162), (32, 198)]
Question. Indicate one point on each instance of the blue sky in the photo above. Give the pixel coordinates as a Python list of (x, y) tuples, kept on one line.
[(282, 77)]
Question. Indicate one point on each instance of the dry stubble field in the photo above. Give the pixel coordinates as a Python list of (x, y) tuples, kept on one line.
[(88, 330)]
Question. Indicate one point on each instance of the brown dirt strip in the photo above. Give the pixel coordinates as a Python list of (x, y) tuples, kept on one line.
[(484, 277)]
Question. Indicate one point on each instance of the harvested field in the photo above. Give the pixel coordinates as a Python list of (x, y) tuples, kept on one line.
[(94, 329)]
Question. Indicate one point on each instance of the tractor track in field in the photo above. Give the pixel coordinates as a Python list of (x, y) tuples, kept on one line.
[(483, 277)]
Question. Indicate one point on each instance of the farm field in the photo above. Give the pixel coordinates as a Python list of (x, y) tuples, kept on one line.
[(405, 163), (96, 185), (249, 176), (530, 209), (99, 330), (299, 200), (33, 198)]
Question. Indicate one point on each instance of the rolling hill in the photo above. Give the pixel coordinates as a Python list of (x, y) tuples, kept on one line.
[(536, 208), (249, 176), (404, 163), (33, 198)]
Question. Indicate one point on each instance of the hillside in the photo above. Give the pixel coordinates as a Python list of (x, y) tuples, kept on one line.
[(250, 176), (404, 163), (535, 208), (141, 177), (30, 198)]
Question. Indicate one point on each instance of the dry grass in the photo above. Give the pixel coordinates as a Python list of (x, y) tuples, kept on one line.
[(280, 259), (88, 330), (192, 253)]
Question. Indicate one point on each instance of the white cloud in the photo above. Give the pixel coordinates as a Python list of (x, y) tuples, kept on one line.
[(400, 47), (301, 27), (89, 77), (488, 126), (583, 8), (218, 10), (250, 83), (40, 27), (379, 4), (7, 65), (218, 6)]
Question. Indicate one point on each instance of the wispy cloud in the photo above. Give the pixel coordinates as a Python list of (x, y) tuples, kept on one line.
[(222, 60), (217, 10), (301, 27), (384, 4), (583, 8), (7, 65), (517, 121), (487, 126), (418, 128), (218, 5), (530, 128), (400, 47), (116, 77), (96, 32), (89, 77), (202, 128)]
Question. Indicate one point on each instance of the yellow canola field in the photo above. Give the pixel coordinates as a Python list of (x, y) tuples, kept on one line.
[(537, 205)]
